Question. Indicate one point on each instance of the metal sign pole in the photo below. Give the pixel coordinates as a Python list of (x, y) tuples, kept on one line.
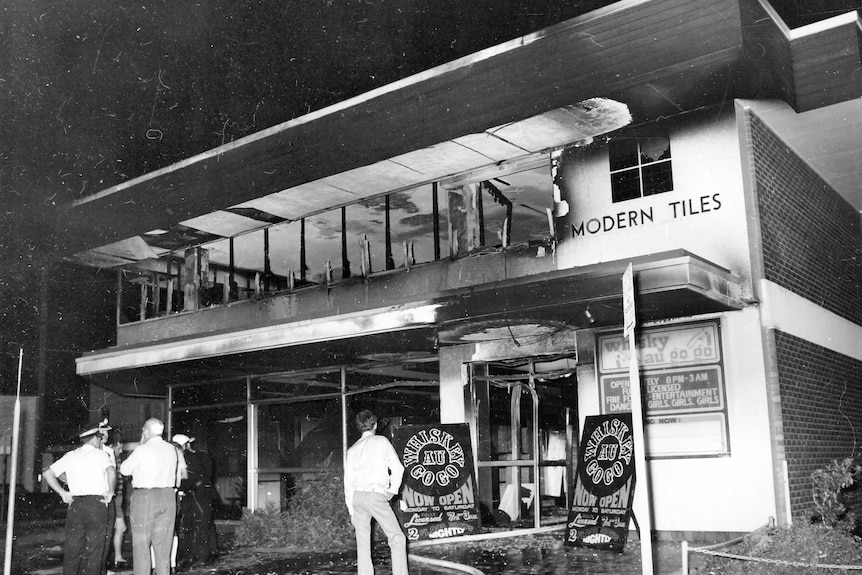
[(644, 514), (13, 475)]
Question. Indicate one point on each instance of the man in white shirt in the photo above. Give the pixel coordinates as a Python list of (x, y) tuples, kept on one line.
[(372, 476), (91, 478), (156, 467)]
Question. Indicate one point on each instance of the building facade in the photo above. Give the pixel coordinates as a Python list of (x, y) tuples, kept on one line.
[(460, 259)]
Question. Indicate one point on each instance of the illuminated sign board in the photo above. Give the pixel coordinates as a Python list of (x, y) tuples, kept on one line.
[(683, 389)]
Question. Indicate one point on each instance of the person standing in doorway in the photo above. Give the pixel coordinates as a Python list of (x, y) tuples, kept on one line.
[(208, 495), (195, 507), (121, 508), (372, 476), (156, 468), (91, 478)]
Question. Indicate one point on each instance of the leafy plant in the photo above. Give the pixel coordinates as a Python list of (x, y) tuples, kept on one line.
[(316, 518), (830, 482)]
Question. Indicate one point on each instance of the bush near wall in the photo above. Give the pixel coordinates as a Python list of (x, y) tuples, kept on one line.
[(316, 519)]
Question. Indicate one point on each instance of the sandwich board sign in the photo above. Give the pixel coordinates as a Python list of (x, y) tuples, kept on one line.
[(438, 497), (604, 484)]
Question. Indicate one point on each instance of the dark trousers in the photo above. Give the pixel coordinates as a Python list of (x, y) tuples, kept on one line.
[(109, 534), (194, 533), (86, 526)]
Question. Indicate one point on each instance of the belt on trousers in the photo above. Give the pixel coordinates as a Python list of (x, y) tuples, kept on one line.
[(380, 490), (150, 488)]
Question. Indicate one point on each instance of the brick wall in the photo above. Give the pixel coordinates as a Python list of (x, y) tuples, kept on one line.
[(821, 405), (811, 238)]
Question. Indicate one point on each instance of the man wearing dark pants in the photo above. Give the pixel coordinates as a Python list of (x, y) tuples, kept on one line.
[(91, 478), (156, 467), (372, 476), (193, 547)]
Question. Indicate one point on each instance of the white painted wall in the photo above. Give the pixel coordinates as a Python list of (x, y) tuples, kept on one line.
[(733, 493), (706, 163), (793, 314)]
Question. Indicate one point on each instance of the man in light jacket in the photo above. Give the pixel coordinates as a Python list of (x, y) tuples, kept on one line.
[(372, 476)]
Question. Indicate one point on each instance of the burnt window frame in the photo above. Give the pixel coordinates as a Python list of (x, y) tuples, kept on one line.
[(643, 175)]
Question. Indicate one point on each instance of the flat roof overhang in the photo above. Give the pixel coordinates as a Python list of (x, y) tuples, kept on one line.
[(655, 57), (669, 285)]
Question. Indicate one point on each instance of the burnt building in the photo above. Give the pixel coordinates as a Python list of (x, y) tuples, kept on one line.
[(450, 248)]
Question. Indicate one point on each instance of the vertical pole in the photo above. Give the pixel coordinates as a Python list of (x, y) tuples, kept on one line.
[(119, 295), (570, 466), (157, 294), (267, 269), (232, 269), (42, 366), (390, 263), (143, 304), (169, 287), (169, 418), (345, 261), (13, 475), (537, 471), (251, 439), (515, 436), (507, 226), (436, 211), (344, 417), (302, 265), (684, 569), (644, 514), (480, 211)]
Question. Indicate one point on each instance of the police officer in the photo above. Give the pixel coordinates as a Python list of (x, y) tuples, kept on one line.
[(91, 478)]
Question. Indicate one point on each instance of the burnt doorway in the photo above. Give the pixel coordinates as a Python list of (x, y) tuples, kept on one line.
[(524, 417)]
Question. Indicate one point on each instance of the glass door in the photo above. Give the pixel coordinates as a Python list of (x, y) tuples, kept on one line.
[(521, 413)]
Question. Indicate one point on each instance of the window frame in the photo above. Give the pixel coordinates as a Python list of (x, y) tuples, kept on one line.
[(636, 170)]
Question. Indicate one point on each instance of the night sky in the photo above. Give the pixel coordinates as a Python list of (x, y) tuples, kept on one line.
[(96, 92)]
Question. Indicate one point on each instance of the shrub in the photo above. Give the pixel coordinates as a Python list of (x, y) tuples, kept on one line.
[(316, 519), (830, 484)]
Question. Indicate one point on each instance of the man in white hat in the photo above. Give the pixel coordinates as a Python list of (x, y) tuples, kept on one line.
[(91, 478)]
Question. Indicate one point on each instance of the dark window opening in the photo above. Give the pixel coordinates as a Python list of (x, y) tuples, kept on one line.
[(640, 166)]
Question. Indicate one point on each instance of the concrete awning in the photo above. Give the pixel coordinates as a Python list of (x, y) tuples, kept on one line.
[(669, 285)]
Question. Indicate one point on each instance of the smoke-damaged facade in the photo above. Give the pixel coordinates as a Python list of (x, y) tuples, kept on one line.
[(460, 260)]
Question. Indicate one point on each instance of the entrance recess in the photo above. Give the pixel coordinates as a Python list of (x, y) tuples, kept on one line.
[(524, 416)]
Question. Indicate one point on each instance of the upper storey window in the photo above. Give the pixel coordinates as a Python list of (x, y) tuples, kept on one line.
[(640, 166)]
